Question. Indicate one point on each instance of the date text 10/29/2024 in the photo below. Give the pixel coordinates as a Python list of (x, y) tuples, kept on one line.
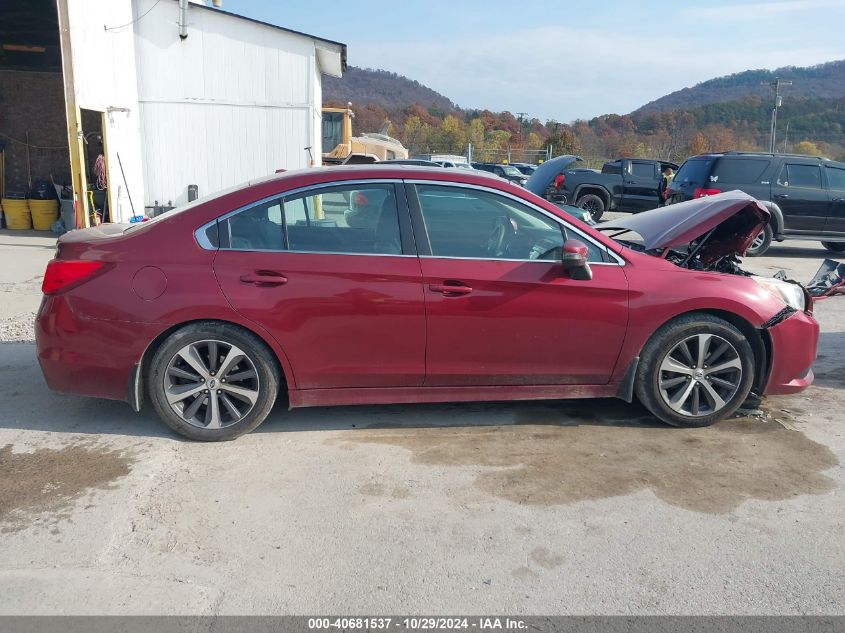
[(416, 623)]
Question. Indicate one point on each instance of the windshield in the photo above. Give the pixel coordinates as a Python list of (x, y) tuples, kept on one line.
[(510, 170), (332, 130)]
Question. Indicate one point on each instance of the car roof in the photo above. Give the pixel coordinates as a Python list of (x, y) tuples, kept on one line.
[(757, 155), (383, 169)]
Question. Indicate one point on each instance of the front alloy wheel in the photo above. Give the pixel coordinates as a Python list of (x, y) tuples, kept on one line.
[(695, 370), (700, 375)]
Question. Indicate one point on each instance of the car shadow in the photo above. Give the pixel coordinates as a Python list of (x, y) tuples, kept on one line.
[(603, 412), (30, 405)]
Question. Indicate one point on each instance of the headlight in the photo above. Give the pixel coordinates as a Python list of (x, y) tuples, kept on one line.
[(791, 294)]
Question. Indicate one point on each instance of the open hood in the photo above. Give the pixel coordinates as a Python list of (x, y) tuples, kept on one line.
[(728, 221), (545, 174)]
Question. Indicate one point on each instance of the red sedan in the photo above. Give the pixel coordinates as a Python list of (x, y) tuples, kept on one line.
[(395, 284)]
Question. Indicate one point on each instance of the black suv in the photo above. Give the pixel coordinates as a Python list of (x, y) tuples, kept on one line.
[(805, 194)]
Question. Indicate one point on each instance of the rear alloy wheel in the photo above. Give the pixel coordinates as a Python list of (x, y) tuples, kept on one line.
[(593, 204), (213, 382), (761, 243), (836, 247), (696, 370)]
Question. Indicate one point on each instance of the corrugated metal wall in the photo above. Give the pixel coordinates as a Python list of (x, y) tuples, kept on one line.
[(103, 51), (234, 101)]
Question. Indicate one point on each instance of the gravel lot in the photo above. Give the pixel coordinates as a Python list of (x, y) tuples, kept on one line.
[(581, 507)]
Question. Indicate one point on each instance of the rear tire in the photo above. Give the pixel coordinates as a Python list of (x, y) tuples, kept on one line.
[(213, 381), (593, 204), (761, 243), (686, 388), (836, 247)]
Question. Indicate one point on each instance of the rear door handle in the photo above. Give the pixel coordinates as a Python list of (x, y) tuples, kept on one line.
[(782, 196), (264, 278), (839, 199), (451, 288)]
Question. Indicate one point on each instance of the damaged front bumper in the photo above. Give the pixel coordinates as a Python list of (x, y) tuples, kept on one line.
[(794, 341)]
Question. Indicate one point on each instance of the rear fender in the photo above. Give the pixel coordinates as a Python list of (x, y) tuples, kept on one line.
[(776, 219)]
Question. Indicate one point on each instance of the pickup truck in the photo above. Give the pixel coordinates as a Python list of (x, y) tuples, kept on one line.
[(624, 184)]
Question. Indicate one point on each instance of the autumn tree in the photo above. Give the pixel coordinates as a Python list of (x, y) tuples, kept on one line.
[(806, 147)]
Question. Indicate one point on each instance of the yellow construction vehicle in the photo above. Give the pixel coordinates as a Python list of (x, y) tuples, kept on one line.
[(344, 149)]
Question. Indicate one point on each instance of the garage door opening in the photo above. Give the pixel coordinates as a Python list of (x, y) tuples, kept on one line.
[(34, 151)]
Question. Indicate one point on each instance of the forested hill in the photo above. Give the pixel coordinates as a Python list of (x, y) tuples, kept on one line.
[(822, 81), (365, 86), (728, 113)]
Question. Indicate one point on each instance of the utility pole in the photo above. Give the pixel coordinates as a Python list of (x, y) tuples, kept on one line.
[(777, 83)]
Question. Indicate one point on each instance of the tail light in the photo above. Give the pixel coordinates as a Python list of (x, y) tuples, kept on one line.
[(701, 192), (63, 274)]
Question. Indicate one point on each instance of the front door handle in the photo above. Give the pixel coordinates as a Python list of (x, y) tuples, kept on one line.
[(264, 278), (839, 199), (782, 196), (451, 288)]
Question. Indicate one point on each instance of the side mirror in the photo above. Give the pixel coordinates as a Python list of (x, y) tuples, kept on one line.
[(575, 254)]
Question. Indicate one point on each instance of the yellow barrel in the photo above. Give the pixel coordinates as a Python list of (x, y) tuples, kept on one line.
[(44, 213), (17, 214)]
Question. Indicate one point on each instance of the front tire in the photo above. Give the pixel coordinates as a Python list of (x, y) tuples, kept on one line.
[(695, 370), (593, 204), (761, 243), (836, 247), (213, 381)]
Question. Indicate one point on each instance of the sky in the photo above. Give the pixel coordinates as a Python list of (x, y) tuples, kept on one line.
[(566, 60)]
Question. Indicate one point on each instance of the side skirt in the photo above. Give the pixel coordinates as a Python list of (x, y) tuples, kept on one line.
[(406, 395)]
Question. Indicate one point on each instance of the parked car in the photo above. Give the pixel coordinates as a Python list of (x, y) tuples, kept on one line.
[(394, 284), (412, 161), (508, 172), (525, 168), (624, 184), (804, 194)]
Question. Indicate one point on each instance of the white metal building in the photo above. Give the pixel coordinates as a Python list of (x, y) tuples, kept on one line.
[(175, 93)]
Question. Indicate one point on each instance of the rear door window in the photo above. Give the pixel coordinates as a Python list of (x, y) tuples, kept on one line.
[(347, 219), (835, 178), (359, 219), (739, 171), (642, 170), (695, 171)]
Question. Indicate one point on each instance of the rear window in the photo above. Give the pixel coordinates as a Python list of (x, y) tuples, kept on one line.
[(695, 171), (612, 168), (739, 171)]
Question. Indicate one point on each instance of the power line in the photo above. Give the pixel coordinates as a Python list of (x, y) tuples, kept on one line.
[(118, 29), (20, 142)]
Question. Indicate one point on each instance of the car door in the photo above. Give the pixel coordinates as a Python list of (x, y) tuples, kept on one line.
[(836, 191), (639, 185), (332, 274), (500, 310), (798, 192)]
